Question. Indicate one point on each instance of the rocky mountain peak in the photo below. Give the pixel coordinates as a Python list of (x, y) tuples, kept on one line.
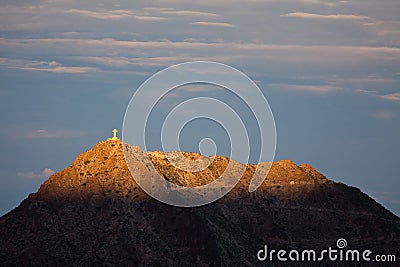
[(93, 213)]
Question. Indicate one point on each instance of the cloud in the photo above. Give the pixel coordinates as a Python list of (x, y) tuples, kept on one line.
[(153, 53), (134, 61), (121, 14), (303, 15), (46, 66), (363, 91), (46, 172), (111, 43), (332, 4), (387, 197), (55, 134), (384, 115), (109, 56), (319, 89), (372, 79), (21, 132), (114, 15), (174, 12), (23, 26), (385, 30), (395, 97), (213, 24)]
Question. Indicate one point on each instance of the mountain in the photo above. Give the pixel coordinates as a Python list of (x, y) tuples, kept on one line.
[(94, 214)]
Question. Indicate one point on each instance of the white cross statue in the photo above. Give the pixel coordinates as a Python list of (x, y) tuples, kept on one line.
[(115, 131)]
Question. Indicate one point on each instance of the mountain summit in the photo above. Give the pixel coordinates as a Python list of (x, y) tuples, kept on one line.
[(94, 214)]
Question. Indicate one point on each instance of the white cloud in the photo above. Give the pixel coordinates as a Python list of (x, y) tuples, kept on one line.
[(394, 97), (384, 115), (46, 172), (114, 15), (134, 61), (301, 53), (363, 91), (319, 89), (213, 24), (53, 134), (372, 79), (149, 18), (333, 4), (16, 132), (109, 55), (303, 15), (175, 12), (122, 14), (45, 66), (385, 30), (112, 43), (124, 62)]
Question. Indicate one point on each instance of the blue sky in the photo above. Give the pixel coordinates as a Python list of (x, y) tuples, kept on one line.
[(329, 69)]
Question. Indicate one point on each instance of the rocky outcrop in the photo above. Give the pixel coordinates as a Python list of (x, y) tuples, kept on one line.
[(94, 214)]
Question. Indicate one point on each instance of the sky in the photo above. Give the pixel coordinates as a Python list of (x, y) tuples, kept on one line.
[(330, 71)]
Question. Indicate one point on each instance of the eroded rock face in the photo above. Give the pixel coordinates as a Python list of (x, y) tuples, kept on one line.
[(94, 214)]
